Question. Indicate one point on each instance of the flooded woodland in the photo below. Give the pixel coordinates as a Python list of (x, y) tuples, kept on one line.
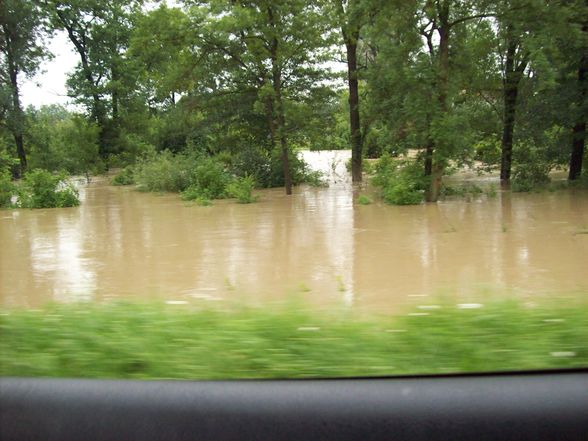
[(318, 244)]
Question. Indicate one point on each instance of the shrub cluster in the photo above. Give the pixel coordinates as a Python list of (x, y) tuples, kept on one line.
[(530, 176), (242, 189), (124, 177), (7, 189), (266, 167), (401, 182), (38, 189), (201, 178)]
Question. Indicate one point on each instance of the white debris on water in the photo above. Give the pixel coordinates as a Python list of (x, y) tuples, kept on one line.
[(176, 302), (554, 320), (309, 328)]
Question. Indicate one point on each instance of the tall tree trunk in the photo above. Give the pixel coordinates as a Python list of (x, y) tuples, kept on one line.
[(437, 166), (579, 130), (17, 123), (354, 118), (115, 94), (429, 158), (512, 77), (279, 118), (510, 93)]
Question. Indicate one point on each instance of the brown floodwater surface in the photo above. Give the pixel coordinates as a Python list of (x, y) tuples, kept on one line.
[(317, 243)]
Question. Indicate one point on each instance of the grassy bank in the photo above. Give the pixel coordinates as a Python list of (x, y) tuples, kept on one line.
[(180, 341)]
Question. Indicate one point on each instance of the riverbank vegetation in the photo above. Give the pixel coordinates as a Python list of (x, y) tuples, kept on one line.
[(38, 189), (494, 86), (125, 340)]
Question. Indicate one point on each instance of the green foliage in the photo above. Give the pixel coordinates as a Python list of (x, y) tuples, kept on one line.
[(211, 178), (488, 151), (7, 189), (530, 176), (194, 342), (467, 190), (364, 200), (242, 189), (531, 167), (164, 172), (401, 182), (124, 177), (42, 189), (59, 140)]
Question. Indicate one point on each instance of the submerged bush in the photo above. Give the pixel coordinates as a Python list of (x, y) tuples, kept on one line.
[(124, 177), (402, 182), (42, 189), (530, 176), (7, 189), (364, 200), (242, 189), (164, 172), (211, 178)]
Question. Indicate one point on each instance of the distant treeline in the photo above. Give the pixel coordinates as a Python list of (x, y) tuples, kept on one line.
[(502, 83)]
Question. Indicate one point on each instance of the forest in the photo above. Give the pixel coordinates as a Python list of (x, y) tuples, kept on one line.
[(238, 87)]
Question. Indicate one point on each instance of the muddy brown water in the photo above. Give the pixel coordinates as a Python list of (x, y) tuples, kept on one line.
[(317, 244)]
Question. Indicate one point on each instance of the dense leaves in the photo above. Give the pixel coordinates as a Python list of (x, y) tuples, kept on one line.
[(500, 86)]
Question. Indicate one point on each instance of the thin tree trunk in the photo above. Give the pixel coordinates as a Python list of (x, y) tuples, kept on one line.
[(18, 116), (510, 99), (512, 78), (279, 119), (579, 130), (429, 158), (437, 167), (354, 118)]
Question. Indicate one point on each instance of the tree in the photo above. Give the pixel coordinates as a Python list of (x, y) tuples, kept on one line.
[(100, 34), (351, 16), (21, 43), (580, 19), (272, 51)]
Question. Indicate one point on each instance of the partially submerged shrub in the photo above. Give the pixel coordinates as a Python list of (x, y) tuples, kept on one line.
[(7, 189), (124, 177), (211, 178), (530, 176), (42, 189), (402, 182), (242, 189), (364, 200), (164, 172), (401, 192)]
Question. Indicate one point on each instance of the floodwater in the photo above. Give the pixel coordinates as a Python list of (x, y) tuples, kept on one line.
[(317, 244)]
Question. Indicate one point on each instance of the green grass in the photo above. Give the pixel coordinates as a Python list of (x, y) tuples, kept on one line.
[(150, 341)]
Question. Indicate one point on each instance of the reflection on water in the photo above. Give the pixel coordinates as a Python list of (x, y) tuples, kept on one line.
[(121, 243)]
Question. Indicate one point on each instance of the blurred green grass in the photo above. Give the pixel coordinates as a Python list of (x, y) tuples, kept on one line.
[(154, 341)]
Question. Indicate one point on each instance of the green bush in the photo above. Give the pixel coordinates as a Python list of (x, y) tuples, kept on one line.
[(211, 178), (364, 200), (402, 182), (242, 189), (7, 189), (124, 177), (402, 193), (164, 172), (42, 189), (530, 176)]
